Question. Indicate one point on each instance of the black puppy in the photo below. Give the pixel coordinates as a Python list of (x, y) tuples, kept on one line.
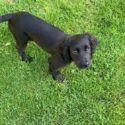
[(63, 48)]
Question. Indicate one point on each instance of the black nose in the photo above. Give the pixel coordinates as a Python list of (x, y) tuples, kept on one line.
[(86, 63)]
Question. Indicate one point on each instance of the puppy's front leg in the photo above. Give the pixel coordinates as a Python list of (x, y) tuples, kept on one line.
[(55, 63), (57, 75)]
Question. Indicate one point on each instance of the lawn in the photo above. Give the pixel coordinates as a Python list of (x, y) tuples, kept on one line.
[(29, 95)]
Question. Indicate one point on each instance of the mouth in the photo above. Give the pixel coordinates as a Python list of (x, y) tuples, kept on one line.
[(83, 67)]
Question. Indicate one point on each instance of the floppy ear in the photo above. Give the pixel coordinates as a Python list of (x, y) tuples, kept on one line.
[(64, 51), (93, 41)]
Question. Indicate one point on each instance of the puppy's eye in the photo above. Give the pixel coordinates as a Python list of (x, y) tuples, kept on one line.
[(86, 48), (76, 51)]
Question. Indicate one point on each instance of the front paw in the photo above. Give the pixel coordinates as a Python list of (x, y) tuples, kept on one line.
[(58, 77), (27, 59)]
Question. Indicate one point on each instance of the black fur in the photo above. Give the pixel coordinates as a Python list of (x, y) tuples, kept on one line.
[(63, 48)]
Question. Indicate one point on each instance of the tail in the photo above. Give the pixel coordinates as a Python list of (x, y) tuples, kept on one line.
[(6, 17)]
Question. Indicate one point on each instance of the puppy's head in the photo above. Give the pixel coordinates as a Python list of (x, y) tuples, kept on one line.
[(81, 49)]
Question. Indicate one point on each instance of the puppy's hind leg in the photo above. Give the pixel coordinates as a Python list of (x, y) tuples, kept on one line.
[(21, 43)]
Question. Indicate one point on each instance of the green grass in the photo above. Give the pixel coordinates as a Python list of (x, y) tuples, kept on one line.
[(29, 96)]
